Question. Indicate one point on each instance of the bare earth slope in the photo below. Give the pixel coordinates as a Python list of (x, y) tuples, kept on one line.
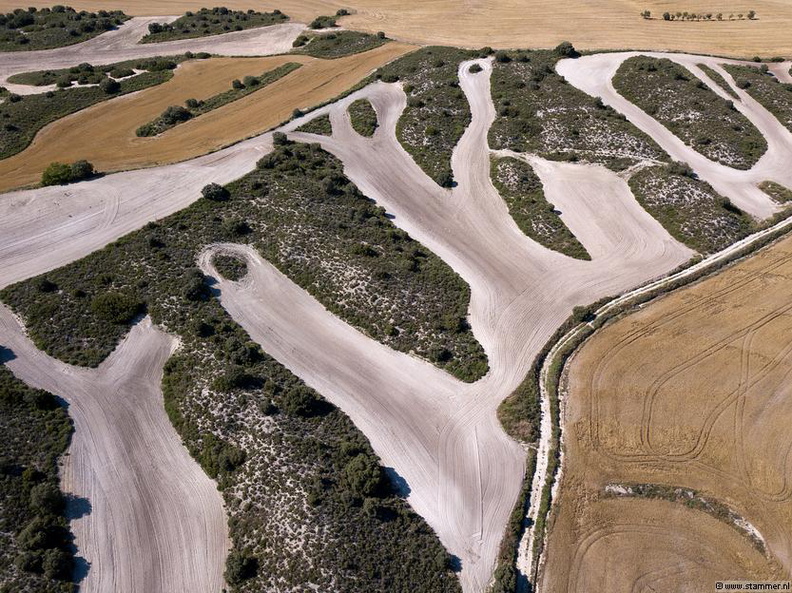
[(606, 24), (156, 522)]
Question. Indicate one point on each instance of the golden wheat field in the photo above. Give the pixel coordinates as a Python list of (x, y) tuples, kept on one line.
[(691, 392), (105, 133), (604, 24)]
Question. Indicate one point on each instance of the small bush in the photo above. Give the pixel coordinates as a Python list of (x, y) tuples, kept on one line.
[(215, 192), (56, 174)]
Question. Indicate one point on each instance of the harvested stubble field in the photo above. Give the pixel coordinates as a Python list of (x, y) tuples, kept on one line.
[(610, 24), (111, 143), (691, 392)]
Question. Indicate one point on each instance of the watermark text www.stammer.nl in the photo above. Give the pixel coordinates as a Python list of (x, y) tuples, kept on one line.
[(753, 586)]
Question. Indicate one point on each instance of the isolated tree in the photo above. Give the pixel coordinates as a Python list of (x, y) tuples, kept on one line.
[(647, 14), (719, 16), (666, 16), (751, 14)]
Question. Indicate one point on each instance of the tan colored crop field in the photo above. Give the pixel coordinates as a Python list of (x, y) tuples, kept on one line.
[(105, 133), (692, 392), (606, 24)]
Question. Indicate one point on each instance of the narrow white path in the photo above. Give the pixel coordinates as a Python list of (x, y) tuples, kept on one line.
[(153, 521), (122, 44), (593, 75)]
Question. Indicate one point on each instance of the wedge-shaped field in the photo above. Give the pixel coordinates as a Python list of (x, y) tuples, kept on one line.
[(676, 435)]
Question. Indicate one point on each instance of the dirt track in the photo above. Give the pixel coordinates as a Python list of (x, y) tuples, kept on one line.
[(594, 74), (155, 522), (606, 24), (690, 392)]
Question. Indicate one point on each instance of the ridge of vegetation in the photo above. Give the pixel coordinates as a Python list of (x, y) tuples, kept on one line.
[(363, 117), (523, 193), (771, 93), (211, 21), (337, 44), (691, 110), (35, 543), (689, 208), (319, 125), (718, 79), (538, 112), (437, 112), (21, 117), (176, 114), (47, 28), (308, 503)]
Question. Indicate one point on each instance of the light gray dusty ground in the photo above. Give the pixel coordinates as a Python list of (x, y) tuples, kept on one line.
[(463, 472), (156, 523), (594, 74), (122, 44)]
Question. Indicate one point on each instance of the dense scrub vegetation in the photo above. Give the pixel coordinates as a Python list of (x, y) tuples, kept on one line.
[(304, 216), (540, 113), (522, 191), (319, 125), (176, 114), (309, 504), (21, 117), (774, 95), (34, 535), (689, 209), (437, 111), (363, 117), (686, 106), (45, 28), (323, 22), (211, 21), (337, 43)]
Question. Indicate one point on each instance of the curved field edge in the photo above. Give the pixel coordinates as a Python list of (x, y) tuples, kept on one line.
[(545, 380)]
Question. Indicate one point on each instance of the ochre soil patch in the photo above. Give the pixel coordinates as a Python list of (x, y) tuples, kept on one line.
[(608, 24), (693, 391), (105, 133)]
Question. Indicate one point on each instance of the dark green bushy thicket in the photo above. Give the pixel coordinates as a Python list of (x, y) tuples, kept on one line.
[(45, 28), (34, 536), (336, 44), (211, 21)]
